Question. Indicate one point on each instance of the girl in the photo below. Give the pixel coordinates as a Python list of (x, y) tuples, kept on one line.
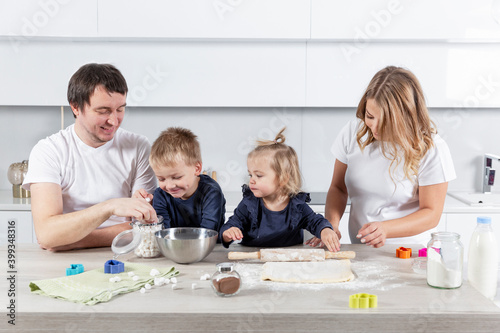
[(273, 211), (391, 163)]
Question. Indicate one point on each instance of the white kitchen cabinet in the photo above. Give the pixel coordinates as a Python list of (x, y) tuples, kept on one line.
[(162, 74), (451, 75), (372, 20), (465, 223), (28, 20), (24, 226), (266, 19)]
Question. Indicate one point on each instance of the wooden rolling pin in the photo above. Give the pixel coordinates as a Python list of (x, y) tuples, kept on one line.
[(291, 255)]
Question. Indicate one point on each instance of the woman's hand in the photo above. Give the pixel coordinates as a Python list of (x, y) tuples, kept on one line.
[(373, 234), (232, 234), (330, 239)]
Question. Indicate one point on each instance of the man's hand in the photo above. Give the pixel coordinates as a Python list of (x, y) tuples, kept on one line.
[(142, 194), (140, 209)]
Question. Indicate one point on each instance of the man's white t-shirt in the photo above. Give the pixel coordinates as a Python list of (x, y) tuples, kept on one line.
[(374, 195), (88, 175)]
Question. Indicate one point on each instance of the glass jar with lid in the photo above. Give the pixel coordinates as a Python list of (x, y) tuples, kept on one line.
[(445, 260), (141, 239), (226, 281)]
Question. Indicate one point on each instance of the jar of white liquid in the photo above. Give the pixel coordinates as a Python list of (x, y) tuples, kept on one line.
[(483, 259), (445, 255)]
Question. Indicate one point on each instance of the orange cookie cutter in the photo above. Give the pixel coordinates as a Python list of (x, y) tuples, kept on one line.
[(403, 252)]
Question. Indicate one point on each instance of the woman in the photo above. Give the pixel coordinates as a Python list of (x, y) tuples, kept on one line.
[(392, 164)]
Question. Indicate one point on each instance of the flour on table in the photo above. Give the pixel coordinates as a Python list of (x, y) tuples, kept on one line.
[(367, 275), (329, 271)]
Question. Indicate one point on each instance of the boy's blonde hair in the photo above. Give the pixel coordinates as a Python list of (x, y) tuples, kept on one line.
[(284, 162), (174, 145), (405, 126)]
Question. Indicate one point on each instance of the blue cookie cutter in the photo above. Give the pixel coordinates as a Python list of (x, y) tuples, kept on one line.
[(114, 267), (74, 269)]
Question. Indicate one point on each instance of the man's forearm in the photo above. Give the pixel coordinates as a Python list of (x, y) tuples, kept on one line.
[(64, 229), (98, 238)]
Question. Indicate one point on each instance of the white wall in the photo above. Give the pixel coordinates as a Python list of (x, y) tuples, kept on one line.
[(262, 64), (226, 135)]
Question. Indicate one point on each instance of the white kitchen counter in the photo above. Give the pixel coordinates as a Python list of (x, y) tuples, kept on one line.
[(405, 301), (8, 202)]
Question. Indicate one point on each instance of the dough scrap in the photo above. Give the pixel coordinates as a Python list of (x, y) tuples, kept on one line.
[(329, 271)]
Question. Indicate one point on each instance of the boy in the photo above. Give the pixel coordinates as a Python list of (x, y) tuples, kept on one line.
[(185, 198)]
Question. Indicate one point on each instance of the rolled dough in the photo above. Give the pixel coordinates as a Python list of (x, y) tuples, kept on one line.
[(329, 271)]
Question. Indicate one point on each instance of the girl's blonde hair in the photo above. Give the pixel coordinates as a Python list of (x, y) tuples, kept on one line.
[(284, 162), (405, 126)]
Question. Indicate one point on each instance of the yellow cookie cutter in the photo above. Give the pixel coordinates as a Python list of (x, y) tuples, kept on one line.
[(362, 301)]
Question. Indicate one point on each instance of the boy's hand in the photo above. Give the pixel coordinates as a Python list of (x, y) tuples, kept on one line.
[(143, 194), (330, 239), (232, 234)]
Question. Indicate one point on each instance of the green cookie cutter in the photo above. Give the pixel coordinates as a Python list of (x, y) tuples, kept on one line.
[(362, 301)]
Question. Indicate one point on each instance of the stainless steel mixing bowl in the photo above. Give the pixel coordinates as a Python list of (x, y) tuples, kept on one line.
[(186, 245)]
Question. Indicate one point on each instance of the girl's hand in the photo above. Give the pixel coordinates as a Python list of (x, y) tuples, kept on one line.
[(330, 239), (143, 194), (316, 242), (232, 234), (373, 234)]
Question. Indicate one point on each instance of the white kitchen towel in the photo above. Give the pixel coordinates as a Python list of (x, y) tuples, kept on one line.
[(94, 286)]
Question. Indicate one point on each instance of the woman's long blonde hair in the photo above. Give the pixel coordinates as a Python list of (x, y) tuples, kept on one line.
[(405, 127), (284, 162)]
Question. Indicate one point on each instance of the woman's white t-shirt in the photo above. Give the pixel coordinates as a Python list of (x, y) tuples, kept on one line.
[(88, 175), (374, 195)]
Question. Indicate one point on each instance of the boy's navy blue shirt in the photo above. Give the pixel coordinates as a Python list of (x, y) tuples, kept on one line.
[(205, 208), (264, 228)]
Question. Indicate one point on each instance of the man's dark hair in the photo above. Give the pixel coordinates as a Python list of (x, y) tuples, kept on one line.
[(83, 83)]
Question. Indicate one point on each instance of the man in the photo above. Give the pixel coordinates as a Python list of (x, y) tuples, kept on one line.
[(81, 178)]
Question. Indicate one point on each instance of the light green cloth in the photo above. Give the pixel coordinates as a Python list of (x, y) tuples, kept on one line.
[(93, 287)]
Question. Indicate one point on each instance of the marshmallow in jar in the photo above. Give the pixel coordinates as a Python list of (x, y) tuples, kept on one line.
[(147, 247), (140, 239)]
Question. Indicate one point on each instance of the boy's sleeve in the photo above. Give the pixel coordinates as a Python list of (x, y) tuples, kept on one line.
[(239, 220), (160, 205), (314, 222), (213, 210)]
